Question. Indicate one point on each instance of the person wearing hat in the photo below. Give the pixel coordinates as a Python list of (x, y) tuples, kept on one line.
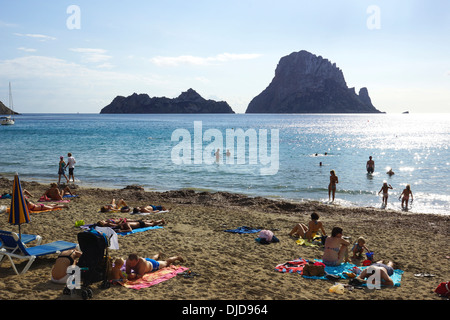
[(61, 170)]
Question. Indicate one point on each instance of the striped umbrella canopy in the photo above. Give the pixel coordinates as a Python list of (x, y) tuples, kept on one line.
[(18, 213)]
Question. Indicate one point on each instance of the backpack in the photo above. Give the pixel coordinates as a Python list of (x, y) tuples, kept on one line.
[(443, 289)]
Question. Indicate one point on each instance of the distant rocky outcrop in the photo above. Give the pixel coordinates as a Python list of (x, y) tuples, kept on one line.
[(187, 102), (4, 110), (306, 83)]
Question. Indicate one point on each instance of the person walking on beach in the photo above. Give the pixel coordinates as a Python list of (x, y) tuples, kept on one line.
[(384, 188), (71, 164), (370, 166), (61, 169), (405, 196), (332, 186)]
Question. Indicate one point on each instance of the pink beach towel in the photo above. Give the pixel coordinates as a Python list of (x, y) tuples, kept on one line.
[(152, 278)]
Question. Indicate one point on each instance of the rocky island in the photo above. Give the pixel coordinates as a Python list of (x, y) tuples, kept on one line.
[(306, 83), (5, 110), (187, 102)]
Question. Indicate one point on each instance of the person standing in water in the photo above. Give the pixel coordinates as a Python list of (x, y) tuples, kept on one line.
[(332, 186), (370, 166)]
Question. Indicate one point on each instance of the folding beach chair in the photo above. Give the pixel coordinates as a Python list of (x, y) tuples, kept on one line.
[(30, 254)]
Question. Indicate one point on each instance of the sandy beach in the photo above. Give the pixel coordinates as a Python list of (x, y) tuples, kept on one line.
[(233, 266)]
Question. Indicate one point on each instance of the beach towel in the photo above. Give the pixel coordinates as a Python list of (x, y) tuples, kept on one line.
[(31, 211), (47, 199), (152, 278), (147, 213), (70, 196), (293, 266), (348, 268), (243, 229), (139, 230), (303, 242)]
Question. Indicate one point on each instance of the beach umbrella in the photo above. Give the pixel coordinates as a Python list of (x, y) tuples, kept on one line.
[(18, 213)]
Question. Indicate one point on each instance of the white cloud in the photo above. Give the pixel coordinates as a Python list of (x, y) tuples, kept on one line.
[(40, 37), (26, 49), (193, 60), (92, 55)]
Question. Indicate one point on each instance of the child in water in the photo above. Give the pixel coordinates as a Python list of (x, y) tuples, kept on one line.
[(406, 192), (385, 189)]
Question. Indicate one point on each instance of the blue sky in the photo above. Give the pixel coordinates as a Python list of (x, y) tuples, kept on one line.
[(59, 61)]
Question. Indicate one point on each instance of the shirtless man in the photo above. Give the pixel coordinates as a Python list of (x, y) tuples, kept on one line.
[(370, 166), (336, 249), (127, 225), (308, 232), (141, 266), (55, 194)]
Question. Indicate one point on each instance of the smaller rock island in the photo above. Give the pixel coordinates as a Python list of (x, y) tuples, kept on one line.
[(187, 102)]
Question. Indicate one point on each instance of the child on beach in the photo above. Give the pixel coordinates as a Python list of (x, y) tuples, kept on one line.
[(385, 187), (405, 196), (358, 247), (116, 274)]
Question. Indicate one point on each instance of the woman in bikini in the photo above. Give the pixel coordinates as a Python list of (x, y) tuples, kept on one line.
[(308, 232), (406, 192), (65, 259), (126, 225), (43, 207), (336, 249), (332, 185)]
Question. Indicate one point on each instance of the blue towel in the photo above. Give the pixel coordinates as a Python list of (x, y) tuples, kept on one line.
[(347, 267), (138, 230), (243, 229)]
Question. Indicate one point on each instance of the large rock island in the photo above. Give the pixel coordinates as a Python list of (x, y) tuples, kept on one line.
[(306, 83), (4, 110), (187, 102)]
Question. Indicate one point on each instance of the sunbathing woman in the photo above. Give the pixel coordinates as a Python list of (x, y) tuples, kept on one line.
[(149, 209), (113, 206), (126, 225), (308, 232), (44, 207), (55, 194)]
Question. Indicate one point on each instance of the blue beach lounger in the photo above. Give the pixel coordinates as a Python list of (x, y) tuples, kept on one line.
[(31, 253)]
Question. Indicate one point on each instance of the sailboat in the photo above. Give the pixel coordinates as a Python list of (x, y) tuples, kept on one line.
[(7, 120)]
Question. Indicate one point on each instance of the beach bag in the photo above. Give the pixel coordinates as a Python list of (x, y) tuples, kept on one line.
[(314, 270), (443, 289)]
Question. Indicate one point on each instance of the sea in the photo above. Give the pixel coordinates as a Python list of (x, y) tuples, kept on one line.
[(277, 156)]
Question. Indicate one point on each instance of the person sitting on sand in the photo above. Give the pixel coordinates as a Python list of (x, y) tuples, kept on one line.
[(336, 249), (44, 207), (136, 266), (116, 274), (149, 209), (406, 192), (55, 194), (127, 225), (386, 271), (65, 259), (113, 206), (310, 231), (332, 186), (359, 247), (384, 188)]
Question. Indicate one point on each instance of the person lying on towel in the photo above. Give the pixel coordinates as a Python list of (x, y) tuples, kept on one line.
[(136, 266)]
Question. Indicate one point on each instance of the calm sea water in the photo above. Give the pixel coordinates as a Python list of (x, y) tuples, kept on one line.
[(120, 150)]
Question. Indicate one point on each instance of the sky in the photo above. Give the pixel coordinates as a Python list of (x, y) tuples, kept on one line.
[(77, 56)]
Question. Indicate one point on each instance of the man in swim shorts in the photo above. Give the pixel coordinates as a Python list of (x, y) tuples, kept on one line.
[(136, 266), (370, 166)]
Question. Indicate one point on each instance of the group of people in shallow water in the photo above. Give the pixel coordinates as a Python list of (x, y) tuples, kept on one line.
[(336, 248), (370, 166)]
